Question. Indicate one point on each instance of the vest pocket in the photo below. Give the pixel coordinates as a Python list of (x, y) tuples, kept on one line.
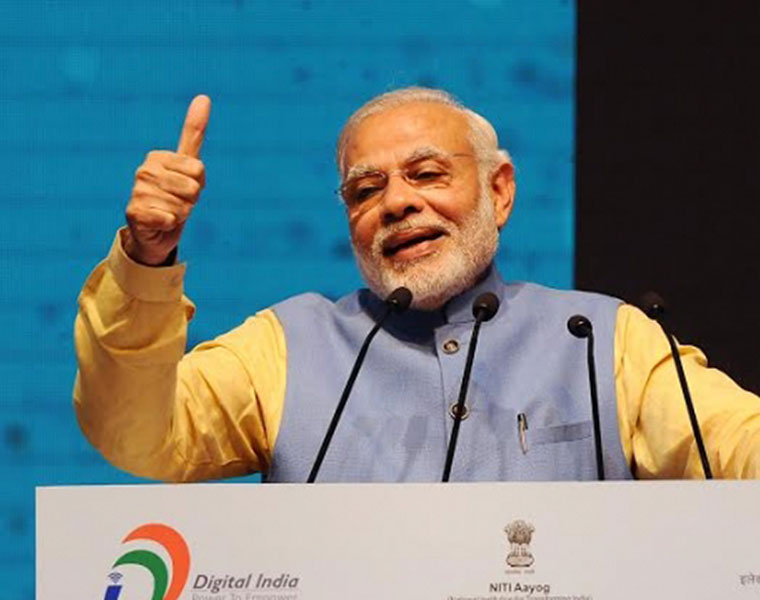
[(568, 432), (559, 453)]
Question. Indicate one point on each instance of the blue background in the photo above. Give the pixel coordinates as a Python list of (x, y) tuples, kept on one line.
[(88, 87)]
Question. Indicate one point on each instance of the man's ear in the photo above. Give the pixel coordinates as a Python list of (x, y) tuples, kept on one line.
[(502, 187)]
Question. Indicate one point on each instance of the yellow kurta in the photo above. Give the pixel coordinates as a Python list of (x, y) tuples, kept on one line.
[(215, 412)]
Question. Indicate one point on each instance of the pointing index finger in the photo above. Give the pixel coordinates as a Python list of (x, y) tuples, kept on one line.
[(194, 129)]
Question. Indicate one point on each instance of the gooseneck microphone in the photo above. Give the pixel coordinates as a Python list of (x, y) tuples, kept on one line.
[(397, 302), (483, 309), (655, 308), (581, 327)]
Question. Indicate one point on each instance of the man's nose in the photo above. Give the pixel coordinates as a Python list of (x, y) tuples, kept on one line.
[(400, 199)]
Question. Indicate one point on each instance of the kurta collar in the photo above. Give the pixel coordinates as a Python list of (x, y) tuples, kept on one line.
[(459, 308)]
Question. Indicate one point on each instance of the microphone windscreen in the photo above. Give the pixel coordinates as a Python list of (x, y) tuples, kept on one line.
[(653, 305), (579, 326), (485, 306), (399, 299)]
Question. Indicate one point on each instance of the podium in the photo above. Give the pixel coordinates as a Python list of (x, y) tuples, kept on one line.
[(475, 541)]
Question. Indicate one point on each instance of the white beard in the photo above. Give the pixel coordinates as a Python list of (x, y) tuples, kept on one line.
[(434, 279)]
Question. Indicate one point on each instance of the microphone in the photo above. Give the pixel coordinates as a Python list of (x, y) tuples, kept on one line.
[(483, 309), (397, 302), (581, 328), (655, 308)]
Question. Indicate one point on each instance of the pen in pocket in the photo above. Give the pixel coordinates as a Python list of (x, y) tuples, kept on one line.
[(522, 427)]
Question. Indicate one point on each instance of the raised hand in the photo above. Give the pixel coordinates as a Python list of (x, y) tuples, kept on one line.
[(167, 186)]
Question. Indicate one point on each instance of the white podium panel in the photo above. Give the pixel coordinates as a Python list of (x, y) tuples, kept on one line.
[(494, 541)]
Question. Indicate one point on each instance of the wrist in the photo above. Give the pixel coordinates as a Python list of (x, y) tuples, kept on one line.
[(144, 282), (135, 251)]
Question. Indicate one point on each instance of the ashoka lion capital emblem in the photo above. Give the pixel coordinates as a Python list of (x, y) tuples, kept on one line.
[(519, 534)]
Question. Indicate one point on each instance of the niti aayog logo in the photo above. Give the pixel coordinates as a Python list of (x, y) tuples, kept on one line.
[(165, 586), (519, 533)]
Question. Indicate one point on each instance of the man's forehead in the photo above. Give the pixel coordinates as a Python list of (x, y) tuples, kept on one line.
[(396, 133)]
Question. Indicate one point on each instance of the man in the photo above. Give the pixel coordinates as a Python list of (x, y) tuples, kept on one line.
[(426, 190)]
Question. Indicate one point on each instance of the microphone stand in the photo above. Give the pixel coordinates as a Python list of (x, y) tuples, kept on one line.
[(654, 307), (484, 309), (398, 301), (581, 327)]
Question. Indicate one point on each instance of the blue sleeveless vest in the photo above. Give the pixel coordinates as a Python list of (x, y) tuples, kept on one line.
[(397, 422)]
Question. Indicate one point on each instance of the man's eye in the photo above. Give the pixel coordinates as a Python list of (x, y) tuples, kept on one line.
[(427, 175), (365, 193)]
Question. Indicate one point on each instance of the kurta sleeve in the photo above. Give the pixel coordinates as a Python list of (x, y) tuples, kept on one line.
[(151, 409), (654, 423)]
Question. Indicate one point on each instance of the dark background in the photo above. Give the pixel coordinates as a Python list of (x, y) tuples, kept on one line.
[(667, 167)]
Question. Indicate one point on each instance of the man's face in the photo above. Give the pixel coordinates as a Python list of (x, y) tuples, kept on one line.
[(419, 213)]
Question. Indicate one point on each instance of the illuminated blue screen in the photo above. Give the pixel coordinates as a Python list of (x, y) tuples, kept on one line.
[(88, 87)]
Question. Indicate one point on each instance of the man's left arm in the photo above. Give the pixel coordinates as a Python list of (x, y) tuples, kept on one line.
[(654, 424)]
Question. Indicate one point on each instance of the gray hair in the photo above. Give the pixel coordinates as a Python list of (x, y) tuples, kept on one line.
[(482, 136)]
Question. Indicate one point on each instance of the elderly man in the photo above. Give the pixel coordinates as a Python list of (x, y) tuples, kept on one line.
[(426, 191)]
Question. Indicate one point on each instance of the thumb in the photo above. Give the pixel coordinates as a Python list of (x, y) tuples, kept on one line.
[(194, 129)]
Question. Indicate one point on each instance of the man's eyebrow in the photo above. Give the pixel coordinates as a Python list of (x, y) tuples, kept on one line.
[(426, 152), (360, 171), (418, 154)]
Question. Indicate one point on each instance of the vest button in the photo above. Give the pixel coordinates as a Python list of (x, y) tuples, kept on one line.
[(453, 411), (450, 346)]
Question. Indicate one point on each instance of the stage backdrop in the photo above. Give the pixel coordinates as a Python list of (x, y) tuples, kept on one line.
[(89, 87), (667, 182)]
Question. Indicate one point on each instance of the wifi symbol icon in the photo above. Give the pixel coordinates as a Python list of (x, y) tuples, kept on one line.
[(115, 577)]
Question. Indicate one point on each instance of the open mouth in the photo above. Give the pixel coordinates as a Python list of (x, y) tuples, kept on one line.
[(409, 240)]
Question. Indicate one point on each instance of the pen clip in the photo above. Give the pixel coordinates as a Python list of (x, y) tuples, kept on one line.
[(522, 427)]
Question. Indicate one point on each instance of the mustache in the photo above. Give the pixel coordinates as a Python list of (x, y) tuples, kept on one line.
[(412, 223)]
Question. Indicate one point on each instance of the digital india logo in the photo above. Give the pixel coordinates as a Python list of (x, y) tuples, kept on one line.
[(164, 586)]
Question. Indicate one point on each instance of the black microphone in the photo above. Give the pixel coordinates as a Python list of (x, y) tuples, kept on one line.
[(581, 327), (397, 302), (655, 308), (483, 309)]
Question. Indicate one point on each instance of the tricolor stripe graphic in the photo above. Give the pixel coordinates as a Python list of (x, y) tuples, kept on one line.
[(164, 587)]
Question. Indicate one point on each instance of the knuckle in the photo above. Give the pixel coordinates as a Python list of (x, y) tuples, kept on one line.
[(183, 214), (157, 155), (131, 213), (193, 187), (146, 172), (198, 169), (141, 190)]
